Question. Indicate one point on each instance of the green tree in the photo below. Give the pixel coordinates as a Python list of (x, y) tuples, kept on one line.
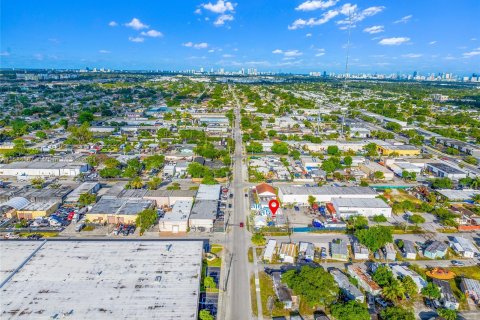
[(280, 148), (417, 219), (333, 150), (357, 222), (154, 162), (383, 276), (375, 237), (379, 218), (92, 161), (87, 198), (295, 154), (442, 183), (447, 314), (81, 134), (41, 135), (204, 314), (85, 117), (410, 286), (378, 175), (393, 126), (371, 149), (258, 239), (111, 163), (431, 291), (348, 161), (209, 283), (397, 313), (154, 183), (136, 183), (37, 182), (471, 160), (352, 310), (254, 147), (311, 200), (315, 285), (394, 290), (110, 173), (145, 219)]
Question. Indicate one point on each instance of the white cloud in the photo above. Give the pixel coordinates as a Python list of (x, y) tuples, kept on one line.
[(103, 51), (412, 55), (393, 41), (354, 15), (288, 53), (152, 33), (315, 5), (432, 42), (136, 24), (472, 53), (220, 7), (374, 29), (221, 19), (136, 39), (4, 53), (198, 11), (404, 19), (300, 23), (226, 55), (321, 52), (211, 51), (201, 45), (113, 24), (308, 35)]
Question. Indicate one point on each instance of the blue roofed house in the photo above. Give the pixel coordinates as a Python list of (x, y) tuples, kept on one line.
[(435, 250)]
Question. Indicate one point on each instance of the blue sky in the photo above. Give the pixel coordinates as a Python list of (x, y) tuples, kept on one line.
[(275, 35)]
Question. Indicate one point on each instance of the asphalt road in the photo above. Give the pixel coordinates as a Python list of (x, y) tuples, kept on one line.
[(238, 289)]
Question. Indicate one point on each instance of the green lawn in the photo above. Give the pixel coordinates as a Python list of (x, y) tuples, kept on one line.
[(253, 296), (266, 290), (250, 255)]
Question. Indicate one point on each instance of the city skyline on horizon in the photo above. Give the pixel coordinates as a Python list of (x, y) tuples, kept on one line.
[(292, 37)]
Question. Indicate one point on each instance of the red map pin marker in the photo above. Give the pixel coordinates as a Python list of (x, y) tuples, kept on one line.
[(273, 205)]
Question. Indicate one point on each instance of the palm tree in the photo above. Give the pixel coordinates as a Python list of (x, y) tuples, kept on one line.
[(394, 290)]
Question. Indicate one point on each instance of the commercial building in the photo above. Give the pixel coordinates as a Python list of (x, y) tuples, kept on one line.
[(43, 169), (458, 195), (461, 146), (447, 299), (370, 167), (464, 247), (443, 170), (348, 289), (299, 194), (168, 198), (368, 207), (270, 250), (402, 271), (37, 209), (435, 250), (203, 215), (101, 279), (208, 192), (176, 220), (86, 187), (364, 279), (118, 210), (389, 149)]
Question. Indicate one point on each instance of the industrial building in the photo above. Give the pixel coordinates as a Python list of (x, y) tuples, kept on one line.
[(368, 207), (43, 169), (101, 279), (86, 187), (299, 194), (176, 220), (388, 149), (117, 210), (208, 192), (203, 215), (443, 170), (167, 198), (370, 167)]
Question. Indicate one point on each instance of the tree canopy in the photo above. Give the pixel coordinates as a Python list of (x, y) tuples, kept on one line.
[(352, 310), (375, 237)]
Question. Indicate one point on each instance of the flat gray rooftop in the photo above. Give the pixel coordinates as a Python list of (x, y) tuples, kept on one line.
[(102, 280), (13, 253)]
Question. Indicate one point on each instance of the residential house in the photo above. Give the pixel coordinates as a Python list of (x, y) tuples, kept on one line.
[(409, 251), (339, 250), (270, 250), (471, 288), (288, 252), (283, 293), (306, 251), (360, 252), (464, 247), (390, 252), (448, 299), (402, 271), (348, 289), (364, 279), (435, 250)]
